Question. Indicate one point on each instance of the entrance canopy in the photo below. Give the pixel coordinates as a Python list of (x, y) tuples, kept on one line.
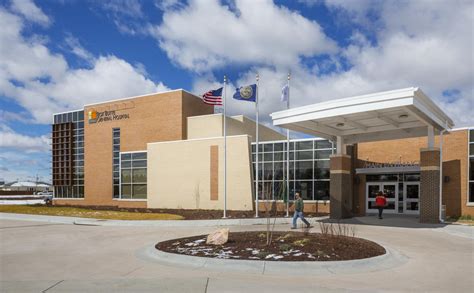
[(380, 116)]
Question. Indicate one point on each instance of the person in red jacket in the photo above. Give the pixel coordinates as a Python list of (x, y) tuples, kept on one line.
[(380, 202)]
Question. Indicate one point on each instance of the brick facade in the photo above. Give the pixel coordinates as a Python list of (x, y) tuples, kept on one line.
[(429, 185)]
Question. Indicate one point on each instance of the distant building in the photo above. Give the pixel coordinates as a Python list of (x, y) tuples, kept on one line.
[(26, 186)]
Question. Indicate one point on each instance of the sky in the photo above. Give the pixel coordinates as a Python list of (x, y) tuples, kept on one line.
[(57, 55)]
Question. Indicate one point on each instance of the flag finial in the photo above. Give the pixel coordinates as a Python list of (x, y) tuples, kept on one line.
[(225, 79), (289, 75), (257, 77)]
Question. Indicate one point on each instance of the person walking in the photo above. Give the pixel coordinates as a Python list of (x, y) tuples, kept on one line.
[(299, 207), (380, 202)]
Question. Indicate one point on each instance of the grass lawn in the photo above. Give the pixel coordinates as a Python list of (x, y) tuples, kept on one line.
[(464, 219), (84, 213)]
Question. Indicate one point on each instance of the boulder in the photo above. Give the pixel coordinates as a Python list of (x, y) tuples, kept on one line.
[(218, 237)]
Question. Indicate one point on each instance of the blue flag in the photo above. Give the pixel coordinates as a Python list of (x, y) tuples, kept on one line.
[(246, 93)]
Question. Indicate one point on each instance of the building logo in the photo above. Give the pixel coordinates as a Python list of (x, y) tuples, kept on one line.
[(246, 92), (104, 116), (92, 116)]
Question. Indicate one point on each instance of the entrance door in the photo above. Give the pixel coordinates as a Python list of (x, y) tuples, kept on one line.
[(391, 191), (411, 198)]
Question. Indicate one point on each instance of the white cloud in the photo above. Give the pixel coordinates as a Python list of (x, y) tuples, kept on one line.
[(43, 83), (29, 10), (205, 35), (425, 44), (11, 139)]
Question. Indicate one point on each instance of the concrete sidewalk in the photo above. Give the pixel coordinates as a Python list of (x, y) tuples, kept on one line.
[(55, 257), (150, 223)]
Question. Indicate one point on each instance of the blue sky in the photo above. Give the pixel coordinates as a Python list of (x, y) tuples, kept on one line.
[(57, 55)]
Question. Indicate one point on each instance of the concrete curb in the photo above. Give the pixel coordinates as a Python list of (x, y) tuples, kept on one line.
[(391, 259), (148, 223)]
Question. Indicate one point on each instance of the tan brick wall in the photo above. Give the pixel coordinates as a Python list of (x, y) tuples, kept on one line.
[(455, 164), (152, 118)]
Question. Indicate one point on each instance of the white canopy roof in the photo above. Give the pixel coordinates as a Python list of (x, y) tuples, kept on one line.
[(380, 116)]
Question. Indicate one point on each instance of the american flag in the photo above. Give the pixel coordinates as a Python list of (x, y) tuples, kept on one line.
[(213, 97)]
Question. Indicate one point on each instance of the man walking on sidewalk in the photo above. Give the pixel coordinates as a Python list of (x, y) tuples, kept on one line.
[(299, 207)]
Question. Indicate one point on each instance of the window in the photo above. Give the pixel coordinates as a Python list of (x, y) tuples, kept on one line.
[(133, 175), (116, 161), (308, 168), (470, 197)]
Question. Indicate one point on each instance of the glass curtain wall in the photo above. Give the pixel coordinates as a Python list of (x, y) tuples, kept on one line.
[(309, 168), (133, 167), (76, 188)]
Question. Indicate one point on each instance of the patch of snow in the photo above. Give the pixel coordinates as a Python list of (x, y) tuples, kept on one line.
[(270, 256), (298, 254)]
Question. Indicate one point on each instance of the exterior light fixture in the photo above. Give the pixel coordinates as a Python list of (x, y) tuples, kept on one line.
[(403, 116), (340, 124)]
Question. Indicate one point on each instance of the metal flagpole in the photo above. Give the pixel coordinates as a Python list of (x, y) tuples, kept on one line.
[(256, 147), (288, 155), (225, 150)]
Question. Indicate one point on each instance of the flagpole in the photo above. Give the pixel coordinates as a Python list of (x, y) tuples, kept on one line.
[(256, 147), (225, 150), (288, 155)]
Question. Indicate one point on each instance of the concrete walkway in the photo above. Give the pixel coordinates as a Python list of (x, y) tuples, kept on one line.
[(54, 257), (149, 223)]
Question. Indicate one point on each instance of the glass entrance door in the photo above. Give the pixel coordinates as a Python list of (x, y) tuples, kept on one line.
[(391, 191), (411, 197)]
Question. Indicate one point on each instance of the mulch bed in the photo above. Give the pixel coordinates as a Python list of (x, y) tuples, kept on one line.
[(196, 214), (286, 246)]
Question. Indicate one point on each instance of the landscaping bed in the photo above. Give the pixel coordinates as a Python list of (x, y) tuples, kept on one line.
[(286, 246), (85, 213), (197, 214)]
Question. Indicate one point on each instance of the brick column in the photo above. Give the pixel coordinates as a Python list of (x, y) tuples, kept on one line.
[(340, 187), (429, 185)]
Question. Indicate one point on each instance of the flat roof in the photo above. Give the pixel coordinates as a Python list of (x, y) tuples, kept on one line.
[(379, 116)]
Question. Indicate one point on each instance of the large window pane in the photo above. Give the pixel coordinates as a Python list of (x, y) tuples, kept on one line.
[(126, 191), (322, 144), (126, 176), (280, 146), (322, 154), (471, 168), (304, 145), (305, 188), (304, 170), (126, 157), (268, 171), (471, 135), (305, 155), (471, 149), (139, 191), (138, 164), (279, 172), (268, 147), (139, 156), (471, 191), (279, 156), (321, 190), (139, 176)]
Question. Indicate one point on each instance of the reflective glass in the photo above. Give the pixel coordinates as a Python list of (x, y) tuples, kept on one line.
[(304, 145), (139, 164), (304, 170), (126, 191), (139, 175), (126, 157), (126, 164), (304, 155), (126, 176), (322, 144), (139, 191), (322, 154), (305, 188), (321, 190), (139, 156)]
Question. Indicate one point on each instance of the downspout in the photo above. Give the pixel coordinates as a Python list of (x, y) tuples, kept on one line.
[(441, 172)]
